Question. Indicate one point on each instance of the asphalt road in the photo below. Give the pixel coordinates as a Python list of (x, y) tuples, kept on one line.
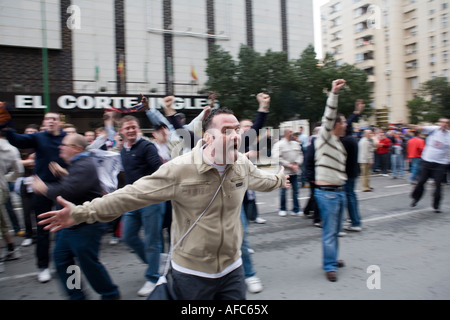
[(401, 254)]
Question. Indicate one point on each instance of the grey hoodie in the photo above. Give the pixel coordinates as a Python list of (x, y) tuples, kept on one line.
[(10, 164)]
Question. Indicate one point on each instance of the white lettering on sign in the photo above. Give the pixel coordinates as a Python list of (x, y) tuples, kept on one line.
[(88, 102), (29, 102)]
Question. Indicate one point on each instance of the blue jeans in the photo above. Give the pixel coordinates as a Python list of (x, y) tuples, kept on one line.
[(352, 202), (149, 250), (397, 165), (294, 186), (83, 242), (331, 207), (415, 166), (246, 257)]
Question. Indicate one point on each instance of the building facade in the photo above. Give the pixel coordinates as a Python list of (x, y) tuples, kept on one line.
[(399, 43), (110, 51)]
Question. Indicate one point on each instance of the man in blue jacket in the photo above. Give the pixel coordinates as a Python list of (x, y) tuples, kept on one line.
[(79, 183), (46, 145), (140, 158)]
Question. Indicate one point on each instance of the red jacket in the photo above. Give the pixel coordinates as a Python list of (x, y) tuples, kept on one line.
[(387, 143), (414, 147)]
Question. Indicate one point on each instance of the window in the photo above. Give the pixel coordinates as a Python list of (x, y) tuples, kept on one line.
[(431, 25), (432, 59), (444, 21), (359, 57), (414, 83)]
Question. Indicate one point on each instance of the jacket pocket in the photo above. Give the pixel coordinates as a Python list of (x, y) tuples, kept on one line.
[(195, 188), (238, 183)]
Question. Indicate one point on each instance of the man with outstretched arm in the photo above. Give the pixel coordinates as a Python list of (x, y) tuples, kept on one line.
[(207, 264)]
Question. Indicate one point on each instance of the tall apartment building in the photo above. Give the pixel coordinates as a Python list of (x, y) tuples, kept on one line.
[(399, 43), (109, 51)]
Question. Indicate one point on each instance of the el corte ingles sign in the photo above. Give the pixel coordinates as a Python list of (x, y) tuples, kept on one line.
[(96, 102)]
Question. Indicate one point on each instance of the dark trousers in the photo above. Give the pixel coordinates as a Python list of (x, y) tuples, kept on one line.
[(27, 208), (312, 204), (42, 204), (384, 162), (83, 242), (229, 287), (430, 170)]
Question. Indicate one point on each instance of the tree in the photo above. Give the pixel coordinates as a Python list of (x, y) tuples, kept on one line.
[(419, 110), (432, 102), (298, 88), (221, 76)]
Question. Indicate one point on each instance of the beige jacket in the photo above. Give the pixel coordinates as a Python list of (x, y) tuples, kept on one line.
[(214, 243)]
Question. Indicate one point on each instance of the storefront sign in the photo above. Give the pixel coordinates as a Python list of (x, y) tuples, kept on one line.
[(89, 102)]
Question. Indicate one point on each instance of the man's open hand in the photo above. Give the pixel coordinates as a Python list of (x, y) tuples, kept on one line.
[(59, 219)]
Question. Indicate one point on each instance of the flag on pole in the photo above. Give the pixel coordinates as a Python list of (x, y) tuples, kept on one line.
[(120, 68), (194, 74), (97, 73)]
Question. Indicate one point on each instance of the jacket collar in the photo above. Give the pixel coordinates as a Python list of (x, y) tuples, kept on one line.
[(197, 157)]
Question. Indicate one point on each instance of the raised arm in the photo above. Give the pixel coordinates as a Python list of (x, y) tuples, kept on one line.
[(359, 108), (329, 116)]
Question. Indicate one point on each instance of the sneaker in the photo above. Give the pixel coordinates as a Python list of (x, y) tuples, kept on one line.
[(342, 234), (13, 255), (146, 289), (251, 251), (254, 284), (282, 213), (27, 242), (260, 220), (352, 228), (114, 241), (44, 275), (296, 214)]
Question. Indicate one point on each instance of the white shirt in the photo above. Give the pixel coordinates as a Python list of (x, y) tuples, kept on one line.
[(437, 146)]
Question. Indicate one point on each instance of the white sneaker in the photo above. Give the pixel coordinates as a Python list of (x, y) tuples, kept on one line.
[(254, 284), (296, 214), (342, 234), (260, 220), (352, 228), (282, 213), (114, 241), (13, 255), (27, 242), (146, 289), (44, 275)]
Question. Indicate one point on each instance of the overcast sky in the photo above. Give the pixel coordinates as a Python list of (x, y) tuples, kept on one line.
[(317, 33)]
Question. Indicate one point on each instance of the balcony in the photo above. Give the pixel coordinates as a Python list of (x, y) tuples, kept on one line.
[(366, 64)]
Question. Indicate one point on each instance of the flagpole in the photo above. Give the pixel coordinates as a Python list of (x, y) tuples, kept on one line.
[(45, 58)]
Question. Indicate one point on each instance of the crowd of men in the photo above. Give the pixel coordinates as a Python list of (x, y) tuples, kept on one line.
[(196, 179)]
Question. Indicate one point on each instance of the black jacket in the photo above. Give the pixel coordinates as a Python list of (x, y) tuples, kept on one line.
[(82, 184), (141, 160)]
